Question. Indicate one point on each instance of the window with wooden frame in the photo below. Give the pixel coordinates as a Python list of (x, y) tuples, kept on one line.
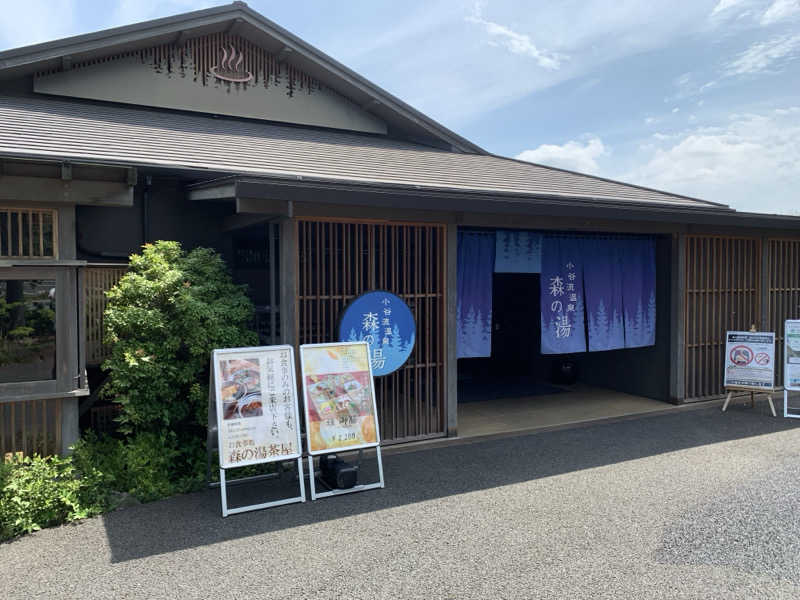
[(40, 352), (28, 232)]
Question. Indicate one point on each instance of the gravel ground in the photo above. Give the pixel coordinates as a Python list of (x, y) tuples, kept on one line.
[(693, 504)]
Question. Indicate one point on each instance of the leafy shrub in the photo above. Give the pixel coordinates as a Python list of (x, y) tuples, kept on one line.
[(143, 465), (163, 319), (106, 455), (41, 492)]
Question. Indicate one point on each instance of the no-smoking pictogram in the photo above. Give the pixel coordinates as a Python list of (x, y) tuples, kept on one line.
[(741, 356), (762, 358)]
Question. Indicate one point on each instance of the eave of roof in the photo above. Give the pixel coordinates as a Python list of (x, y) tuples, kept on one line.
[(397, 198), (28, 59), (80, 131)]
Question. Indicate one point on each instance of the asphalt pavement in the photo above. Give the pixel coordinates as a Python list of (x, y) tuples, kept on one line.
[(694, 504)]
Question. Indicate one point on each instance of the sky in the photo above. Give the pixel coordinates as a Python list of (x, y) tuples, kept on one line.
[(697, 97)]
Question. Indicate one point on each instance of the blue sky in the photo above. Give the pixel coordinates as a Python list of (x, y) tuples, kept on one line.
[(696, 97)]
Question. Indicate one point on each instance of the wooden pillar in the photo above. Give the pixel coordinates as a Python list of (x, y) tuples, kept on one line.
[(65, 232), (451, 362), (70, 430), (764, 325), (678, 319), (68, 373), (288, 280)]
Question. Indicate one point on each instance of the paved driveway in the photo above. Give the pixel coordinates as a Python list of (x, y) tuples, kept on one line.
[(693, 504)]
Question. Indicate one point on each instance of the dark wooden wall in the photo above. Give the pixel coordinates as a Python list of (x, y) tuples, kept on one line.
[(732, 283), (336, 262)]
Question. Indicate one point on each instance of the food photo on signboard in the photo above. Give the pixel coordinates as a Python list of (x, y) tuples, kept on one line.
[(241, 389), (254, 396), (340, 403), (341, 414)]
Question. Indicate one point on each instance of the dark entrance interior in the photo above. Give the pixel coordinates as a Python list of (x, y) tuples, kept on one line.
[(516, 325), (517, 377), (516, 367)]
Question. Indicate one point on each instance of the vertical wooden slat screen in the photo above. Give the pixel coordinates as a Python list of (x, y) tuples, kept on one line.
[(99, 279), (338, 261), (723, 281), (30, 427), (784, 292), (28, 232)]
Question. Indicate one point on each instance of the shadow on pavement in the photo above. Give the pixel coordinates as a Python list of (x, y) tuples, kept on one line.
[(194, 520)]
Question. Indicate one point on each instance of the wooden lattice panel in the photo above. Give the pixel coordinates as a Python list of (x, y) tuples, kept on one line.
[(723, 282), (28, 233), (783, 271), (30, 427), (98, 281), (339, 261)]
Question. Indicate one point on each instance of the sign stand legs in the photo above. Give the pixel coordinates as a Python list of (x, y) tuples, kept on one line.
[(223, 489), (356, 488), (727, 401), (752, 400)]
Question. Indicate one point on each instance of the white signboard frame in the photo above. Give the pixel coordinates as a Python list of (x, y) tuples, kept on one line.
[(791, 364), (244, 383), (750, 360), (307, 371)]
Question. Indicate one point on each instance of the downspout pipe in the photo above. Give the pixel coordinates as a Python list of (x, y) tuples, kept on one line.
[(148, 182)]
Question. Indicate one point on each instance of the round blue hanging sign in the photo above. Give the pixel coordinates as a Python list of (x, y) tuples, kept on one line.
[(385, 322)]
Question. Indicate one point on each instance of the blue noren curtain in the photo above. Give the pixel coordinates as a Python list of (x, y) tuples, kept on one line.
[(602, 280), (639, 292), (518, 252), (474, 312), (562, 296)]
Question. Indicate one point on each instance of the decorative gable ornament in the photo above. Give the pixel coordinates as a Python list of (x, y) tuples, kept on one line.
[(230, 68), (239, 77)]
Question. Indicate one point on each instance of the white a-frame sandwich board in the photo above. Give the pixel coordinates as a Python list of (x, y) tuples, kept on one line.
[(340, 409), (257, 416)]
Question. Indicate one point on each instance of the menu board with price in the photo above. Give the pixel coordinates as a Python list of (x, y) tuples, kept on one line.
[(339, 397)]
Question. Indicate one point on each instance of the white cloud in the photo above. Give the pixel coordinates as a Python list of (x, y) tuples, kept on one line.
[(762, 56), (780, 10), (752, 163), (517, 43), (723, 5), (675, 109), (683, 80), (574, 155)]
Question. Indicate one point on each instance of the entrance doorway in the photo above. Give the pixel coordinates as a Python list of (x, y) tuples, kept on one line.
[(519, 388)]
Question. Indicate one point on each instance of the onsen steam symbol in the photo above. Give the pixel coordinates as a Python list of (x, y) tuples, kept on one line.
[(229, 68), (741, 356)]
